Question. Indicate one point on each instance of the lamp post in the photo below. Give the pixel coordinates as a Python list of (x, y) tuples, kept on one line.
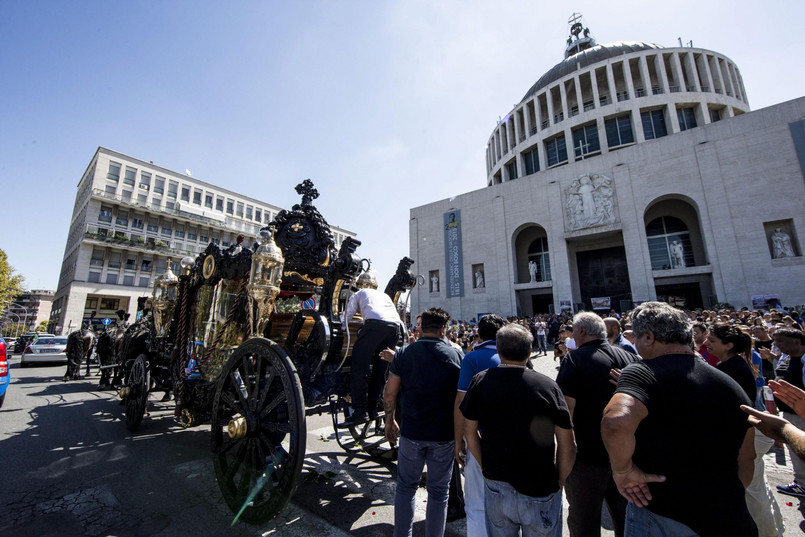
[(17, 324), (20, 306)]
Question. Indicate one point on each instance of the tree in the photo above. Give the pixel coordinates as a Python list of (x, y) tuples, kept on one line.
[(43, 326), (11, 284)]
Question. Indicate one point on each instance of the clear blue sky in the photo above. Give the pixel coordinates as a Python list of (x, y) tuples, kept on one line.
[(385, 105)]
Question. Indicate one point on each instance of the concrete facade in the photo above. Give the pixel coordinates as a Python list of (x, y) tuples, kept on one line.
[(688, 217), (131, 218)]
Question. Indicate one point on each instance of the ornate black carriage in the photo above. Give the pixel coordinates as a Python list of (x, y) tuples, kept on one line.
[(213, 337)]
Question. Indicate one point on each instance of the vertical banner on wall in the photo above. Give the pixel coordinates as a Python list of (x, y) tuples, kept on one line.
[(452, 253)]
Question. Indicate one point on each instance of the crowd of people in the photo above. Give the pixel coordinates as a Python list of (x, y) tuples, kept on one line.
[(651, 414)]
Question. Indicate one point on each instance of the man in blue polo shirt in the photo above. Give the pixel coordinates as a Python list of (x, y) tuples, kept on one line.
[(484, 356)]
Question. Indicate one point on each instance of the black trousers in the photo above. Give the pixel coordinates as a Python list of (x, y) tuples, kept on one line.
[(373, 337), (588, 487)]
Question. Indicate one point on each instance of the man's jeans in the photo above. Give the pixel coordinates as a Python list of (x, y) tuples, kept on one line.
[(411, 459), (640, 522), (474, 497), (508, 512), (542, 343)]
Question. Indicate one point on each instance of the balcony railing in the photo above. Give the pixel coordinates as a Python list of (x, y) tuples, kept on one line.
[(604, 100), (657, 90), (533, 131), (639, 92), (623, 96), (674, 89)]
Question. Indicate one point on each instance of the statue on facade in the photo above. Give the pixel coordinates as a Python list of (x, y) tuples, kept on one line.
[(434, 283), (479, 279), (677, 255), (532, 270), (590, 201), (781, 244)]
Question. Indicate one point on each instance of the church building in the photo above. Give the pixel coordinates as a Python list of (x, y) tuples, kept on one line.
[(628, 172)]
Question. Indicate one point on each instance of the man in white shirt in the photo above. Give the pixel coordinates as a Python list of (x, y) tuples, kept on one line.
[(381, 329)]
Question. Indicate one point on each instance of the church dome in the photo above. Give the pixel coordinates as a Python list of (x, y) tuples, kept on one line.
[(586, 57)]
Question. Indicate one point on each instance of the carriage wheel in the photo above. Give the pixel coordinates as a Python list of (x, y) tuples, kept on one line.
[(258, 431), (138, 381), (368, 437)]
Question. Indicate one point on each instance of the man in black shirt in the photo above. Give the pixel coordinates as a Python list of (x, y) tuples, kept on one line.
[(519, 412), (425, 375), (791, 342), (585, 382), (681, 450)]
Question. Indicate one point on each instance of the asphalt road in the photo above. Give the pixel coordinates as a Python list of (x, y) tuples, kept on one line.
[(70, 468)]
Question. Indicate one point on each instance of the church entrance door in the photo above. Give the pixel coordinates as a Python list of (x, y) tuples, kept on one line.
[(603, 273)]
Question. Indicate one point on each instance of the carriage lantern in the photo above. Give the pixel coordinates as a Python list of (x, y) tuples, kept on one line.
[(166, 288), (264, 280)]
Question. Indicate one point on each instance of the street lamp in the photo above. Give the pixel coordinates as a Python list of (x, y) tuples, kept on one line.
[(17, 324), (15, 304)]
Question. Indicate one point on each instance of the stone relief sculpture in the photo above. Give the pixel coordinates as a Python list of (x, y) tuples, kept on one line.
[(532, 270), (434, 283), (781, 244), (677, 255), (590, 201)]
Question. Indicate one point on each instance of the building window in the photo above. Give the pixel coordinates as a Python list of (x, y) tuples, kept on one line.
[(131, 264), (208, 201), (197, 197), (687, 118), (130, 176), (173, 189), (97, 257), (539, 262), (111, 278), (230, 206), (145, 181), (114, 260), (94, 277), (715, 115), (619, 130), (191, 234), (159, 185), (166, 230), (239, 211), (146, 266), (136, 223), (144, 281), (531, 161), (125, 195), (91, 304), (128, 279), (110, 304), (556, 150), (110, 191), (185, 193), (249, 210), (114, 171), (204, 239), (267, 217), (153, 225), (170, 205), (669, 243), (105, 215), (511, 169), (258, 215), (122, 218), (219, 204), (585, 140), (179, 232), (653, 124)]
